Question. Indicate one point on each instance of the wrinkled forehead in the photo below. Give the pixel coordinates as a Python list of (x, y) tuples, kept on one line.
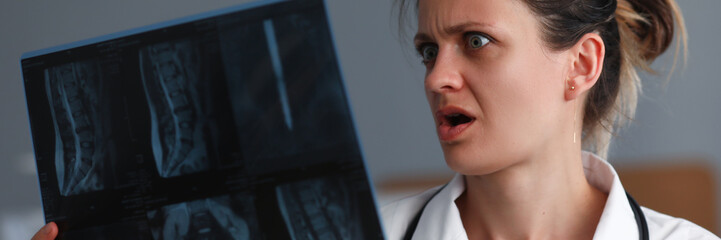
[(436, 15)]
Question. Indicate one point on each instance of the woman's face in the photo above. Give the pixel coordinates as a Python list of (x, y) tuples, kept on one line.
[(495, 90)]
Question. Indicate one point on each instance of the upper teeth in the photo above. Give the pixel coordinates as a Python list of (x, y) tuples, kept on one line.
[(454, 115)]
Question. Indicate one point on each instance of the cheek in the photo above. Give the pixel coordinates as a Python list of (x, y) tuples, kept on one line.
[(517, 92)]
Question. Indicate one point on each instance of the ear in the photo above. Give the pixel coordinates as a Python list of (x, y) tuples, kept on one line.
[(586, 58)]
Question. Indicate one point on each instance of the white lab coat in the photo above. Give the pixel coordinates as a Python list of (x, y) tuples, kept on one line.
[(441, 219)]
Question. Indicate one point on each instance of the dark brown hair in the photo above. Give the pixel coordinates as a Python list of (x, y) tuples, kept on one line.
[(634, 33)]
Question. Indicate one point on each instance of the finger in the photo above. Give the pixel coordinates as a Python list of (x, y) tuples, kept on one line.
[(48, 232)]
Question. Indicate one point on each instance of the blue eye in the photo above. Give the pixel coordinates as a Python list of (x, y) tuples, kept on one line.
[(429, 52), (477, 41)]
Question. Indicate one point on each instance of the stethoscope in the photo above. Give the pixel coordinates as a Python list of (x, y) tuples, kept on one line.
[(637, 213)]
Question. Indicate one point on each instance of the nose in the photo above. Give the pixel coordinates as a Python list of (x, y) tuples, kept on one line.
[(445, 74)]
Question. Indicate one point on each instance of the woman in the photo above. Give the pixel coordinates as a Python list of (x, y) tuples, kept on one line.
[(518, 89)]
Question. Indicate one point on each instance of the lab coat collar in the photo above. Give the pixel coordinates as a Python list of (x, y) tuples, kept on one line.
[(442, 220), (617, 220)]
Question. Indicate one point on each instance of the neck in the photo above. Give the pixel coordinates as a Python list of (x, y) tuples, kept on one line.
[(543, 198)]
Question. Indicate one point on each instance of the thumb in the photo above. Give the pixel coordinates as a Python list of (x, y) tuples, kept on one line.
[(48, 232)]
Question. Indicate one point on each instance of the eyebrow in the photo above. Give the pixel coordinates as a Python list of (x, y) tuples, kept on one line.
[(455, 29)]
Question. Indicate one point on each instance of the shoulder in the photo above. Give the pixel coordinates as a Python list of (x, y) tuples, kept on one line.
[(398, 214), (662, 226)]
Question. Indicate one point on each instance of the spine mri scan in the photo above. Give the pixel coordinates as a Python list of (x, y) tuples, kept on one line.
[(73, 97), (176, 124)]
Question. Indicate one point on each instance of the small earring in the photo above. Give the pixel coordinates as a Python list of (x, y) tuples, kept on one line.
[(575, 108)]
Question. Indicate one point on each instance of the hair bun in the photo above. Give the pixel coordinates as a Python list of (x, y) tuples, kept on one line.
[(650, 23)]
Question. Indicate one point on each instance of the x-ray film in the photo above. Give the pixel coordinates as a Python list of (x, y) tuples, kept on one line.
[(228, 125), (75, 97), (211, 218), (319, 209)]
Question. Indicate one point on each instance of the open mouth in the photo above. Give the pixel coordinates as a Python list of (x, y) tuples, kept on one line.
[(456, 119), (452, 121)]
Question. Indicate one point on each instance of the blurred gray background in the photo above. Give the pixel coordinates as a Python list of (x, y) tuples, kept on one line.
[(384, 83)]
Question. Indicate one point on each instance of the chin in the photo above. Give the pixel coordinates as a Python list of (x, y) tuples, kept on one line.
[(472, 161)]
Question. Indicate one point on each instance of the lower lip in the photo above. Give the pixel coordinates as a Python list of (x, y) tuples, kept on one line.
[(447, 132)]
